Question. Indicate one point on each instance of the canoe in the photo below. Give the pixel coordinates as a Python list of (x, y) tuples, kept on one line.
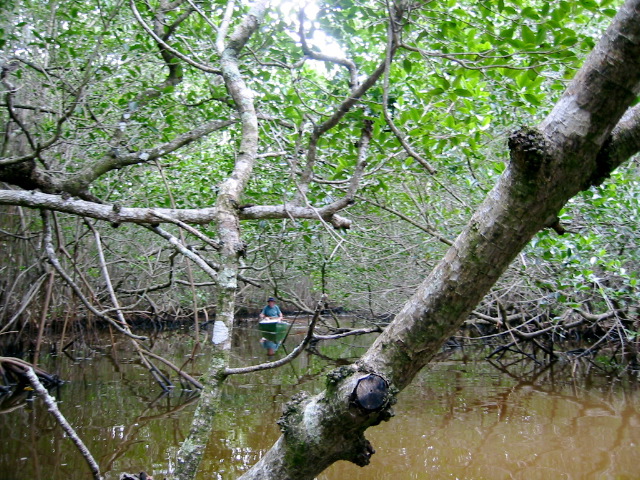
[(273, 330)]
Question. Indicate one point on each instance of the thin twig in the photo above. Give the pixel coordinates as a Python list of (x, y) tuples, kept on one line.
[(51, 254)]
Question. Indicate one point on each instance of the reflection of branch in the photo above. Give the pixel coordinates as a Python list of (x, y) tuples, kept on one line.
[(176, 369), (294, 353), (129, 436), (53, 408)]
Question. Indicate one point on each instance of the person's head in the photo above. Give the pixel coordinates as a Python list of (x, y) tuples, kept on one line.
[(271, 301)]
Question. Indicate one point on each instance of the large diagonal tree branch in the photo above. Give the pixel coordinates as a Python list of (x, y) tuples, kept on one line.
[(549, 165)]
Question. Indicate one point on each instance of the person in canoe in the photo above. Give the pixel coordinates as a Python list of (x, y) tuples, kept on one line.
[(271, 311)]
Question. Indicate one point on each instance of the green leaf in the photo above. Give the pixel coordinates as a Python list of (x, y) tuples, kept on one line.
[(462, 92), (591, 5), (527, 34)]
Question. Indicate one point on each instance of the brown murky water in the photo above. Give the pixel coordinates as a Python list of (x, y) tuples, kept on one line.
[(459, 420)]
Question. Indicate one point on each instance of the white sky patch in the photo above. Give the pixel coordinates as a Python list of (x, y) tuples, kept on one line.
[(290, 8), (315, 36)]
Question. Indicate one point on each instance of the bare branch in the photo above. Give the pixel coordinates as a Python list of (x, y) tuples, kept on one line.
[(193, 256), (50, 249), (339, 112), (53, 409), (350, 333), (168, 48)]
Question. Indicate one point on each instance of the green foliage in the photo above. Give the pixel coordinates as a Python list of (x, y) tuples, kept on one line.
[(466, 75), (598, 260)]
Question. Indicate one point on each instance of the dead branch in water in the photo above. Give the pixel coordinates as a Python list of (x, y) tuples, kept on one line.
[(53, 408)]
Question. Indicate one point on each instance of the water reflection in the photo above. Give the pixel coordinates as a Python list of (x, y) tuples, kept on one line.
[(460, 419), (483, 427)]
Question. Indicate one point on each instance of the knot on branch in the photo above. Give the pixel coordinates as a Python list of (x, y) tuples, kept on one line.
[(291, 411), (364, 453), (339, 222), (529, 150), (339, 374)]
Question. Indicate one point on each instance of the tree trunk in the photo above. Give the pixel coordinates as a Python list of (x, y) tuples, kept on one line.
[(228, 226), (549, 165)]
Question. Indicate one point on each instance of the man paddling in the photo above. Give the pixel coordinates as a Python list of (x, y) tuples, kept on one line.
[(271, 310)]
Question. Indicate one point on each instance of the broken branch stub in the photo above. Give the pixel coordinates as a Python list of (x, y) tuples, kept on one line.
[(371, 393)]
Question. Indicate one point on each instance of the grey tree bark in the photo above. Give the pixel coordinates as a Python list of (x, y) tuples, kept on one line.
[(575, 147), (228, 225)]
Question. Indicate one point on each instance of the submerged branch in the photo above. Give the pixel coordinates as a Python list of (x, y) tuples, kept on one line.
[(53, 408)]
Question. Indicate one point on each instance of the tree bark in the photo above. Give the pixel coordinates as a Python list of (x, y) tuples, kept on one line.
[(232, 246), (568, 152)]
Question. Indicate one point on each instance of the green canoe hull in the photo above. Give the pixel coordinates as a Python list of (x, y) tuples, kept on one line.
[(273, 331)]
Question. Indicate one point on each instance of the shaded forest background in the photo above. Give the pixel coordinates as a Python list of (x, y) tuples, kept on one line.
[(167, 162), (96, 109)]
